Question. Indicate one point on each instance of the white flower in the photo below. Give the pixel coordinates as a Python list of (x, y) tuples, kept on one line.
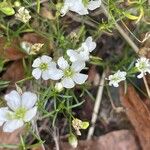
[(70, 75), (21, 108), (82, 54), (143, 65), (44, 67), (80, 6), (23, 15), (116, 78)]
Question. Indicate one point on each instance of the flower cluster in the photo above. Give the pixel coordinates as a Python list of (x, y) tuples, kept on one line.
[(80, 6), (31, 49), (21, 109), (23, 15), (83, 52), (67, 72), (142, 65)]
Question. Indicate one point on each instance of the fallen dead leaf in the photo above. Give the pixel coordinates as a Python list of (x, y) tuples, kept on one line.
[(10, 138), (138, 114), (117, 140), (10, 51), (14, 72)]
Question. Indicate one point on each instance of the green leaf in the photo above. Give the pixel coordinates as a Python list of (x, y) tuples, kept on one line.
[(7, 8), (85, 125), (132, 17)]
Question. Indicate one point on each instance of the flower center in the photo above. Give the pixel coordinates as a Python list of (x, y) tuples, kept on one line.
[(85, 2), (43, 66), (142, 65), (68, 72), (20, 113)]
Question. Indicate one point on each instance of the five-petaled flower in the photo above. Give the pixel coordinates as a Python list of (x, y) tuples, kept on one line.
[(80, 6), (23, 15), (21, 109), (82, 53), (143, 66), (70, 74), (116, 78), (44, 67)]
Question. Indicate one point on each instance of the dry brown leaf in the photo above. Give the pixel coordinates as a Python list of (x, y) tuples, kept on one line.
[(10, 138), (10, 51), (47, 13), (14, 72), (117, 140), (138, 114)]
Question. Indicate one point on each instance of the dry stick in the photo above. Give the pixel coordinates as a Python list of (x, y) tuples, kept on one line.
[(146, 86), (96, 106)]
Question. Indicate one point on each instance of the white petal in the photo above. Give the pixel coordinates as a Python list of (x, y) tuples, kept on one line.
[(36, 63), (140, 75), (51, 65), (1, 123), (78, 66), (46, 59), (13, 100), (28, 99), (62, 63), (12, 125), (80, 78), (3, 114), (55, 74), (84, 55), (94, 4), (45, 75), (68, 83), (64, 10), (36, 73), (78, 7), (30, 114), (74, 56), (90, 44)]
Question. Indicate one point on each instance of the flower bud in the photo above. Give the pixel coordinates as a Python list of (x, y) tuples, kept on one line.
[(73, 141), (58, 87)]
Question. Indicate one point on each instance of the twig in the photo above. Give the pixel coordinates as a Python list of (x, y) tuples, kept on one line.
[(78, 19), (96, 106), (146, 86)]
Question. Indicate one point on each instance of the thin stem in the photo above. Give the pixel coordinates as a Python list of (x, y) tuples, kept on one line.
[(146, 86)]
